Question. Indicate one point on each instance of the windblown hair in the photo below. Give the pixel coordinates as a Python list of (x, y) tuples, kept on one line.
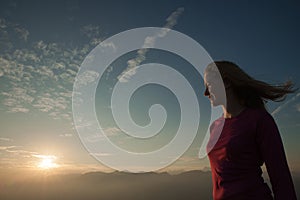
[(251, 92)]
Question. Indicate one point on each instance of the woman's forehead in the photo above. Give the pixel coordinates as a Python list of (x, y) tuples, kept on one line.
[(211, 77)]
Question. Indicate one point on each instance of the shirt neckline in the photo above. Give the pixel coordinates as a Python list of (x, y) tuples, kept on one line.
[(237, 116)]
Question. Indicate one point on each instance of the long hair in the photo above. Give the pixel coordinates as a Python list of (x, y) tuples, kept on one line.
[(251, 92)]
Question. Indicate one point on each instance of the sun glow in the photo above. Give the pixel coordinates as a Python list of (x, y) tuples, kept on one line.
[(47, 162)]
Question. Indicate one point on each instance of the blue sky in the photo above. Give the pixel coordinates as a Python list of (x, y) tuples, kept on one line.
[(43, 43)]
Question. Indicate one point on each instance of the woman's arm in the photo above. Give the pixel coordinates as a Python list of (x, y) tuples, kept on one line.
[(272, 153)]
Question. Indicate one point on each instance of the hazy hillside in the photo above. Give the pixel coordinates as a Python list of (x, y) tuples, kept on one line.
[(113, 186)]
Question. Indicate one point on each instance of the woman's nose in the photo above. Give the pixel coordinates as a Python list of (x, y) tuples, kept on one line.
[(206, 92)]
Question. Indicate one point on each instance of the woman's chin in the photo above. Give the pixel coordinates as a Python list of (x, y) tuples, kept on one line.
[(214, 103)]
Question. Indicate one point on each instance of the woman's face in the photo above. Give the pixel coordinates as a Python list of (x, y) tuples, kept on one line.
[(214, 88)]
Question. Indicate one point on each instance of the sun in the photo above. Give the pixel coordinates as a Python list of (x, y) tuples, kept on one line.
[(47, 162)]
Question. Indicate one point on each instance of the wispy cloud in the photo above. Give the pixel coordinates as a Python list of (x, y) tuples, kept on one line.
[(46, 104), (5, 148), (298, 107), (19, 93), (11, 33), (41, 76), (100, 154), (44, 156), (19, 109), (15, 152), (112, 131), (93, 32), (16, 98), (23, 33), (109, 44), (108, 72), (149, 41), (5, 139), (87, 77), (19, 156), (66, 135), (279, 108)]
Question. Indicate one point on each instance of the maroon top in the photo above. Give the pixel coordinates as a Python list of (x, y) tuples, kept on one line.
[(246, 142)]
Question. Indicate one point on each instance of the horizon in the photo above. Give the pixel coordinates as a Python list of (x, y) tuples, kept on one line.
[(93, 185)]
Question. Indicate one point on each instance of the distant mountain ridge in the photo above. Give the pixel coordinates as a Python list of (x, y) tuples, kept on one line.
[(117, 185)]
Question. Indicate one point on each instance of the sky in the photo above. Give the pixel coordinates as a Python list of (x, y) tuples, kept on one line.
[(43, 45)]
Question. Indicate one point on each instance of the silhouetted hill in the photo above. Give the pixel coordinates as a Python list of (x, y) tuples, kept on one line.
[(114, 186)]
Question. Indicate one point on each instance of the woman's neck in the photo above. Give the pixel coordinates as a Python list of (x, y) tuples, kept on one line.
[(233, 108), (233, 112)]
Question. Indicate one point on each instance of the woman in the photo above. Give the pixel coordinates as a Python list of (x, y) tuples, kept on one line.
[(245, 137)]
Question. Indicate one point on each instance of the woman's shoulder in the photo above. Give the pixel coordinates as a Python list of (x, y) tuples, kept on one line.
[(259, 114), (258, 111), (249, 114)]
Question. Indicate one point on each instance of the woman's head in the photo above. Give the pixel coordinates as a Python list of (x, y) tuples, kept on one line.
[(214, 85), (249, 91)]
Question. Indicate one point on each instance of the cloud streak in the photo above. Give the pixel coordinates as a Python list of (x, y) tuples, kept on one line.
[(5, 139), (149, 42), (279, 108)]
